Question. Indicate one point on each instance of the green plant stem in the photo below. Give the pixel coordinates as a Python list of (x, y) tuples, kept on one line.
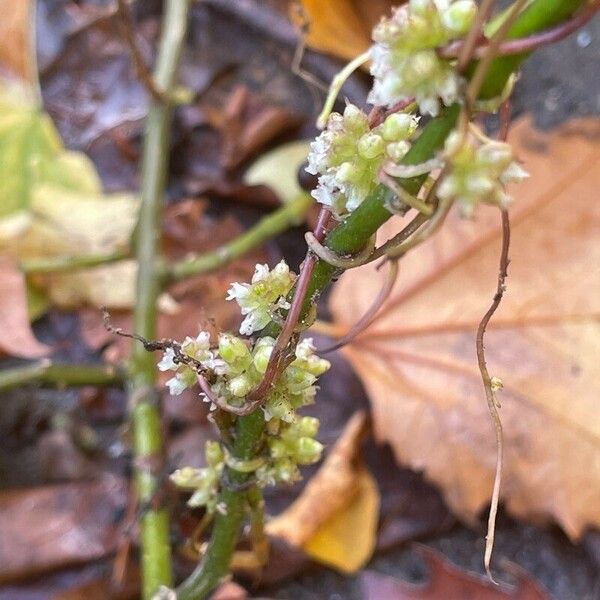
[(61, 375), (278, 221), (143, 398), (57, 264), (348, 238), (215, 564)]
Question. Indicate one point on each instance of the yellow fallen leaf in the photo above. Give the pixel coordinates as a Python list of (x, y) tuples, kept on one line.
[(51, 204), (347, 540), (341, 27), (334, 520), (418, 361)]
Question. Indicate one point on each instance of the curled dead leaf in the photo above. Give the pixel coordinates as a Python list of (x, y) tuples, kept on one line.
[(335, 518), (16, 337), (418, 359)]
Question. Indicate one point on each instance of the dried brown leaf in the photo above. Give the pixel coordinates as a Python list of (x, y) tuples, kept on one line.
[(447, 581), (418, 359), (46, 528)]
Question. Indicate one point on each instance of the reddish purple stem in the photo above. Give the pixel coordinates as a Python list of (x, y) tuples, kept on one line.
[(255, 397), (531, 42)]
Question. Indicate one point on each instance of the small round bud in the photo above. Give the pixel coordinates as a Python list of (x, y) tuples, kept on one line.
[(232, 349), (422, 65), (277, 449), (308, 451), (397, 150), (188, 477), (370, 145), (479, 186), (399, 126), (497, 155), (240, 386), (346, 172), (285, 470), (262, 354), (307, 426), (200, 497), (354, 118), (458, 17), (213, 453)]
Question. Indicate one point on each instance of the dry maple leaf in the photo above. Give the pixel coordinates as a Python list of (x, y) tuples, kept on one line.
[(418, 360)]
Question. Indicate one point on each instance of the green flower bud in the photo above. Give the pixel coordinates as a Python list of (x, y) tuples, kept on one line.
[(262, 354), (285, 470), (240, 385), (497, 155), (200, 497), (397, 150), (213, 453), (399, 126), (458, 17), (307, 451), (279, 408), (234, 351), (370, 146), (307, 426), (188, 478), (347, 172), (298, 379), (354, 118), (278, 449)]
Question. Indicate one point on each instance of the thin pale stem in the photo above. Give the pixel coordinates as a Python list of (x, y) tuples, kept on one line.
[(484, 64), (61, 375), (337, 84), (144, 74), (489, 390), (59, 264), (475, 33), (287, 216), (371, 313), (143, 398)]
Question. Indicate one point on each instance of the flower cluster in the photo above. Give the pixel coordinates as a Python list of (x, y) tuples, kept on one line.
[(405, 63), (204, 483), (348, 155), (290, 445), (478, 172), (260, 299)]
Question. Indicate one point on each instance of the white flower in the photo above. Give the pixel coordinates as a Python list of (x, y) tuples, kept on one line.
[(259, 299), (176, 385), (167, 363), (478, 171), (405, 64)]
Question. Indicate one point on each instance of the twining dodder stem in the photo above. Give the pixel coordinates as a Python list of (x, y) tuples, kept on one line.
[(347, 239)]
